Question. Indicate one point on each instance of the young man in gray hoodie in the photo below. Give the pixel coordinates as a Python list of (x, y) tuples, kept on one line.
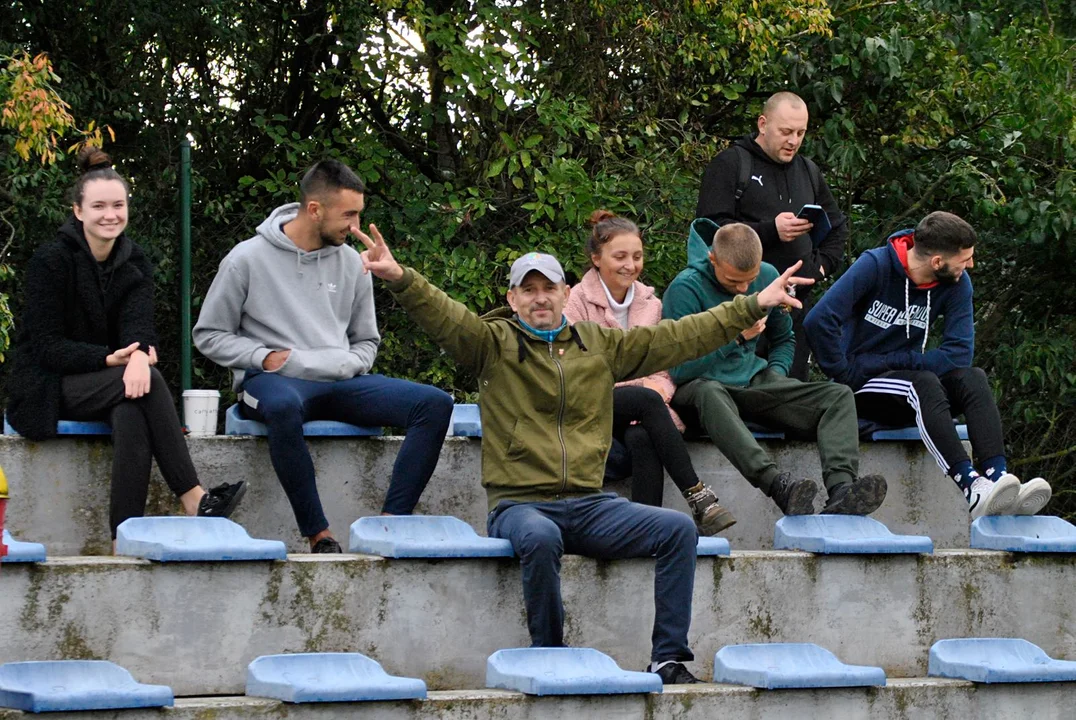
[(292, 314)]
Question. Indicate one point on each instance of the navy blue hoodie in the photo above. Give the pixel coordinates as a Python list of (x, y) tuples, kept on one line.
[(875, 319)]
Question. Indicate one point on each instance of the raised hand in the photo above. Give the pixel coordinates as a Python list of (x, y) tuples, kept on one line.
[(377, 258), (776, 293)]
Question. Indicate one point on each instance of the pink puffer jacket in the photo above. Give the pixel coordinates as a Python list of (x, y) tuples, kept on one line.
[(588, 303)]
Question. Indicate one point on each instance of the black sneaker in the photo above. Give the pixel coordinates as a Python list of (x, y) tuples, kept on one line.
[(673, 673), (326, 546), (862, 497), (794, 496), (222, 500)]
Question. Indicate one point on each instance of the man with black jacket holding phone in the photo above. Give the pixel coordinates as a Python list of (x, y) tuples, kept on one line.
[(761, 180)]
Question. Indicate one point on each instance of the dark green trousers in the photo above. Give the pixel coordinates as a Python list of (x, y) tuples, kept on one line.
[(824, 409)]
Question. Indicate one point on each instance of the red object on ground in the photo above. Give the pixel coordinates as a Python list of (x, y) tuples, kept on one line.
[(3, 547)]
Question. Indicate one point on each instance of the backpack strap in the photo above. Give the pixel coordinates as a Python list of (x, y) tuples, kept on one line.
[(814, 174), (744, 175)]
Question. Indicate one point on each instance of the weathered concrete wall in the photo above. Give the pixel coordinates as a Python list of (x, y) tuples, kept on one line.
[(60, 488), (196, 626), (920, 699)]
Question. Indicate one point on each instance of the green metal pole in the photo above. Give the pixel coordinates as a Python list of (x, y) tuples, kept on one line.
[(185, 264)]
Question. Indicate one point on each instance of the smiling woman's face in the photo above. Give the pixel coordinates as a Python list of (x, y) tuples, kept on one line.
[(620, 262), (103, 210)]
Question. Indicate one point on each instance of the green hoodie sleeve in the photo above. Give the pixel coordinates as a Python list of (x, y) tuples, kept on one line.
[(645, 350), (457, 330), (782, 342)]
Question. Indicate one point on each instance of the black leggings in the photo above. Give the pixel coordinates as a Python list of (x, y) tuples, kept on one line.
[(901, 397), (654, 444), (142, 429)]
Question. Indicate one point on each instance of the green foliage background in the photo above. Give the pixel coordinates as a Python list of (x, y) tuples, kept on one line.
[(486, 128)]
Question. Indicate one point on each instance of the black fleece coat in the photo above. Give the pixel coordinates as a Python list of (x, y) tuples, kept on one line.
[(76, 311), (774, 188)]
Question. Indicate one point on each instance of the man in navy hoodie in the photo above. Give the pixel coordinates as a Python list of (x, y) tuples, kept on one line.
[(762, 180), (870, 333)]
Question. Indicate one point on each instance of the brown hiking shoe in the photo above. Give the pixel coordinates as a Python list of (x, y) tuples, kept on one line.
[(709, 516)]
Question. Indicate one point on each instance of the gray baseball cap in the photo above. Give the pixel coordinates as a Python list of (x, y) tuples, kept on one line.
[(545, 264)]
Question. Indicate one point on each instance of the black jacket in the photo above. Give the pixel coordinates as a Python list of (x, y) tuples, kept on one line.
[(75, 312), (774, 188)]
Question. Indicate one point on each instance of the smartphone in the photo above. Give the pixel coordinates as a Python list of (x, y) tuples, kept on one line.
[(817, 217)]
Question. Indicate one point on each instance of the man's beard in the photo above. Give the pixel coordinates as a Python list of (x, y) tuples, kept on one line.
[(332, 240), (945, 276)]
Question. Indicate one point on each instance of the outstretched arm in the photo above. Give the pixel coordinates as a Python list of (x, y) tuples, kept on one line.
[(449, 323), (645, 350)]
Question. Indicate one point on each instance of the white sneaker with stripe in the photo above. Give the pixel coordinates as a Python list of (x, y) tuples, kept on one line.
[(993, 498)]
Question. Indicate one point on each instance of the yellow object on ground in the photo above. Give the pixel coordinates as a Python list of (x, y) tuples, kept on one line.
[(3, 485)]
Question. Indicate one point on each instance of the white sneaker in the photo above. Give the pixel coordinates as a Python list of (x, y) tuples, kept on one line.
[(993, 498), (1034, 494)]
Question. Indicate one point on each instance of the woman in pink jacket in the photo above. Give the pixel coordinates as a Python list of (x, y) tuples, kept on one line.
[(611, 295)]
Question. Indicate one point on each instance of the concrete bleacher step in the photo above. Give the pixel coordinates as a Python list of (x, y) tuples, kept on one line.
[(900, 699), (196, 626), (60, 488)]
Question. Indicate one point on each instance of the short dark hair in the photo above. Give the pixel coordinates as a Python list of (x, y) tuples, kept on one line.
[(942, 233), (738, 245), (329, 175)]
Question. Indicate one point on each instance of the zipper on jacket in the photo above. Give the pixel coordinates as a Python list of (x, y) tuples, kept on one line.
[(560, 424)]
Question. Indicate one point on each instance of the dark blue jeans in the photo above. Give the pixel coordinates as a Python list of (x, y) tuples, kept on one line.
[(607, 527), (284, 404)]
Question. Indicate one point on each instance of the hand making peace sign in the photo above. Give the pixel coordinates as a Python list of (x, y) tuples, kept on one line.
[(377, 258)]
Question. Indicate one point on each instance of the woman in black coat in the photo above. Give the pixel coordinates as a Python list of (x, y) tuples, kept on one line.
[(85, 350)]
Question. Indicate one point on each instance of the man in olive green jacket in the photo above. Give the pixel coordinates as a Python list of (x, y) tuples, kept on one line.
[(546, 397)]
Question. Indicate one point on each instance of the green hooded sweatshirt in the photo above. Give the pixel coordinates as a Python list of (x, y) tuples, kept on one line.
[(696, 289), (547, 407)]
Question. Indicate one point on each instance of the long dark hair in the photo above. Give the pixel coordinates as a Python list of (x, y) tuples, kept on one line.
[(94, 164)]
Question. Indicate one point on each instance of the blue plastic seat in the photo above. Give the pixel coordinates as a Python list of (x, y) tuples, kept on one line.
[(185, 539), (1023, 533), (844, 534), (884, 434), (70, 427), (466, 421), (712, 546), (236, 424), (997, 660), (75, 685), (423, 536), (27, 552), (564, 671), (773, 666), (328, 677)]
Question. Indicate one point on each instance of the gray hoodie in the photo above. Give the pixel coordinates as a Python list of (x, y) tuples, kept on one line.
[(270, 295)]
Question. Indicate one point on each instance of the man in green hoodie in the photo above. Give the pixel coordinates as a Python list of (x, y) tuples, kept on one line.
[(546, 397), (732, 384)]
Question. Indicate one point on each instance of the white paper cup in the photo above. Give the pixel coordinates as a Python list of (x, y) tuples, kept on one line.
[(200, 411)]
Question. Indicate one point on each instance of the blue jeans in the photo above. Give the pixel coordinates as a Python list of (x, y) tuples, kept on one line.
[(284, 404), (607, 527)]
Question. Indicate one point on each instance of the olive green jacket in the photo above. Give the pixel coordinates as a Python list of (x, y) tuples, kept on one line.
[(547, 408)]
